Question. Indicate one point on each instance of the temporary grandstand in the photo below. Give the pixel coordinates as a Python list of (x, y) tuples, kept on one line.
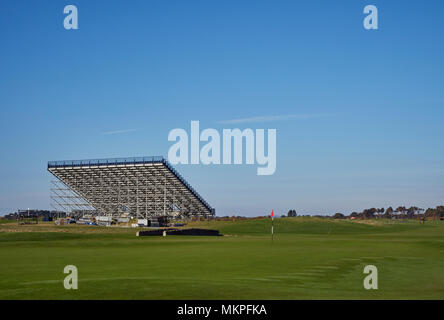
[(142, 187)]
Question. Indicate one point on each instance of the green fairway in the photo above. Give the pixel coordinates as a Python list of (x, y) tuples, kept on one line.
[(310, 258)]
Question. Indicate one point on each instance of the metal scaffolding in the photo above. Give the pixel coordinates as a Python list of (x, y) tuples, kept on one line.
[(140, 187)]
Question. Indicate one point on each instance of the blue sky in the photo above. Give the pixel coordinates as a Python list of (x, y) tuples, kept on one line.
[(359, 114)]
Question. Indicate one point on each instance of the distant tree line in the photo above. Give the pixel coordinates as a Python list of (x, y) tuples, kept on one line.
[(400, 212), (292, 213)]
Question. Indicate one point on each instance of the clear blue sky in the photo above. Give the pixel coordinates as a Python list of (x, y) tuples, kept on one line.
[(137, 69)]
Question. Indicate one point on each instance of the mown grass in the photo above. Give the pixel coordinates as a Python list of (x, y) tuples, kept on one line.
[(309, 258)]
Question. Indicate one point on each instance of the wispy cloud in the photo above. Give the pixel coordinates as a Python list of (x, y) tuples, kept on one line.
[(276, 118), (118, 131)]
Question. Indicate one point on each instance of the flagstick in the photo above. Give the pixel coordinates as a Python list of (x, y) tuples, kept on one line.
[(272, 227)]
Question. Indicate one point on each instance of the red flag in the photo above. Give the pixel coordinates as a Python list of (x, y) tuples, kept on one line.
[(272, 213)]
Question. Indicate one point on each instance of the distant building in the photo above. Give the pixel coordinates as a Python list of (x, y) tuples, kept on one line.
[(34, 213)]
